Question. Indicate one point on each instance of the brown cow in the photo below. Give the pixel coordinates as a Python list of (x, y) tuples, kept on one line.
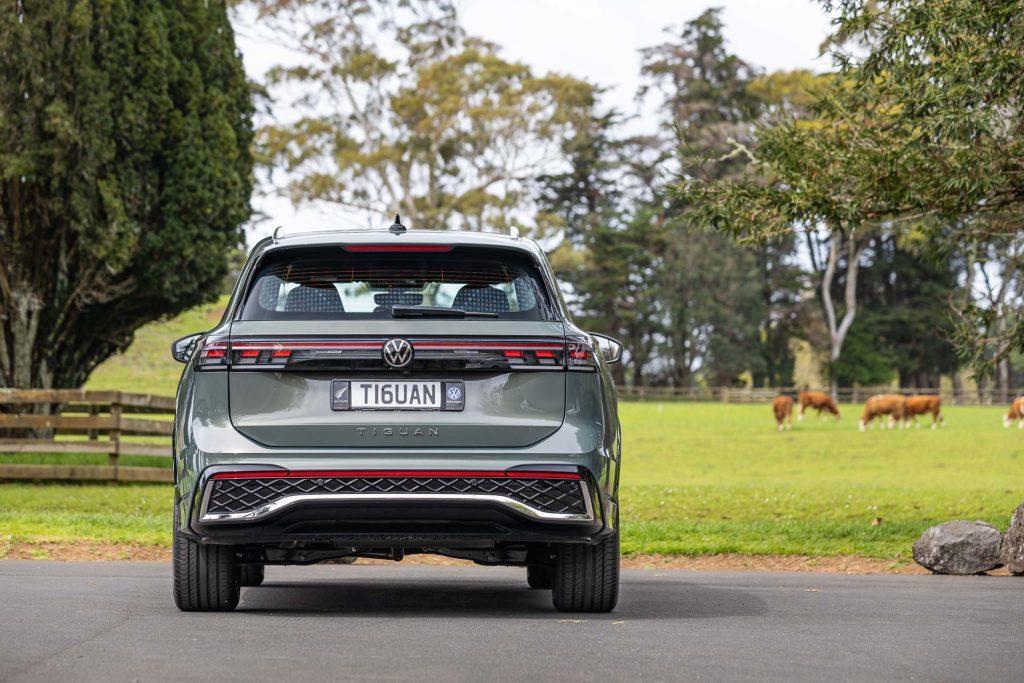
[(782, 406), (818, 400), (1016, 413), (892, 405), (920, 405)]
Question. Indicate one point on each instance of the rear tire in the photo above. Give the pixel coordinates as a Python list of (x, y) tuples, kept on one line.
[(251, 574), (539, 576), (205, 576), (586, 577)]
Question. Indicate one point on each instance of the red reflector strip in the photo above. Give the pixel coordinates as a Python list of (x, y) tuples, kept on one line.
[(213, 353), (285, 349), (579, 354), (397, 247), (252, 353), (487, 345), (458, 474), (545, 354), (542, 475), (513, 354)]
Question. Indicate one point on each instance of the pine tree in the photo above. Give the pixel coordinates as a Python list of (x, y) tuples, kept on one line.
[(125, 174)]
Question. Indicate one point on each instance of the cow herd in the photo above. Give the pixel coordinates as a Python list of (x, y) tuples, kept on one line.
[(890, 410)]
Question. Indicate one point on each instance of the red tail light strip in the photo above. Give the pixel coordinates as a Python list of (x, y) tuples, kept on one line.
[(397, 248), (458, 474), (531, 346), (258, 353), (294, 346)]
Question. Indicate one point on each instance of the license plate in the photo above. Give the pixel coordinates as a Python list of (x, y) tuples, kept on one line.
[(397, 395)]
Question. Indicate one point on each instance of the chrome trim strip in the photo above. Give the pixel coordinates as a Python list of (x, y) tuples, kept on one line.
[(288, 501)]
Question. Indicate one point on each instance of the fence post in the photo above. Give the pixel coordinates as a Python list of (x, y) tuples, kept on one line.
[(94, 411), (115, 435)]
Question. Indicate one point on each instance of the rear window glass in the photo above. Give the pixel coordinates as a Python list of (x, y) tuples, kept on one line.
[(366, 285)]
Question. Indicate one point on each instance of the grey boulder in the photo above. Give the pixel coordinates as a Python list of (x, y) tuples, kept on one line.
[(1013, 543), (959, 548)]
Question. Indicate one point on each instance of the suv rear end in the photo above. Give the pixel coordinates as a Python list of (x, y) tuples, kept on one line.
[(379, 394)]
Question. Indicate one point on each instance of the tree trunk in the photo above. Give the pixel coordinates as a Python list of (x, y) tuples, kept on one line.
[(837, 332)]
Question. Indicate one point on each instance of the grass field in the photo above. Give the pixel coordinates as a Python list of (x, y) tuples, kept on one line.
[(696, 479)]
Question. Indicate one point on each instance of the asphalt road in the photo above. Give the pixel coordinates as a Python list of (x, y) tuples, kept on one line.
[(116, 621)]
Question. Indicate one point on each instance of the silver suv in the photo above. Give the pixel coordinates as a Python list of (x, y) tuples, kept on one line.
[(390, 392)]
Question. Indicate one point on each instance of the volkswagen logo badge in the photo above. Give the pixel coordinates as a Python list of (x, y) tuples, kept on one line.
[(397, 353)]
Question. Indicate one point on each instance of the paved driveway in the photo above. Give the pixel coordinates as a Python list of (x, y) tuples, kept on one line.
[(116, 621)]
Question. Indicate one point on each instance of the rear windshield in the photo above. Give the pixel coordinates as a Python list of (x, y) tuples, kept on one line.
[(366, 285)]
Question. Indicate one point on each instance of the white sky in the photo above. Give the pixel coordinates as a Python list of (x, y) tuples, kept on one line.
[(593, 39)]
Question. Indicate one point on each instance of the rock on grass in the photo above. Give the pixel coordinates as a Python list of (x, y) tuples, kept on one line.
[(959, 548), (1013, 543)]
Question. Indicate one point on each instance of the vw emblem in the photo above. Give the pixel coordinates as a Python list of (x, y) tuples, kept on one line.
[(454, 393), (397, 353)]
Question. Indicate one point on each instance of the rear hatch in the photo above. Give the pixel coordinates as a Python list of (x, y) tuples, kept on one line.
[(453, 348)]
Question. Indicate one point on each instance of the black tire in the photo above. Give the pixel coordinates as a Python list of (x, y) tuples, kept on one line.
[(586, 577), (539, 576), (251, 574), (205, 576)]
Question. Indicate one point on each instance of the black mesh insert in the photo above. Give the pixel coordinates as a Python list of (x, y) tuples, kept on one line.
[(562, 496)]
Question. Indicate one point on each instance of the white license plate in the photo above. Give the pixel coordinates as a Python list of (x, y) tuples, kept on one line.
[(397, 395)]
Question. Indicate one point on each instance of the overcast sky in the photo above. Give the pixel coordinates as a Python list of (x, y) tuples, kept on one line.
[(593, 39)]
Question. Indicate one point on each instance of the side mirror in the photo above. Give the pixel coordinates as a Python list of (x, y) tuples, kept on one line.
[(610, 348), (181, 349)]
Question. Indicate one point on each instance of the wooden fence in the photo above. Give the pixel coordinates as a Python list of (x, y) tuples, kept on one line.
[(82, 421), (845, 395)]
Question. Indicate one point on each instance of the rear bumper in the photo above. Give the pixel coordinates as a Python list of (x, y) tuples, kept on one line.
[(254, 505)]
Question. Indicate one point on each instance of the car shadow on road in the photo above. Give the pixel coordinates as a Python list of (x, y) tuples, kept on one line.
[(415, 599)]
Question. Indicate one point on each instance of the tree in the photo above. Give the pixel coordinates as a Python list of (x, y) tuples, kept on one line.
[(730, 307), (604, 252), (124, 175), (926, 125), (691, 306), (989, 319), (906, 300), (396, 110)]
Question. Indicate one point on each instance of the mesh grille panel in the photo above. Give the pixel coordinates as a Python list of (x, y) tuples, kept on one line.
[(562, 496)]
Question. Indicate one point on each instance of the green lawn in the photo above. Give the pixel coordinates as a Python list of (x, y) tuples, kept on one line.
[(696, 478), (712, 478)]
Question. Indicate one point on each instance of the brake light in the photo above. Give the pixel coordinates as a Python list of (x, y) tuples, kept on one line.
[(213, 354), (366, 353), (581, 356), (396, 247)]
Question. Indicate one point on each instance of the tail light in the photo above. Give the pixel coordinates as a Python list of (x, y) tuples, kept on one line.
[(580, 355), (214, 354), (365, 354)]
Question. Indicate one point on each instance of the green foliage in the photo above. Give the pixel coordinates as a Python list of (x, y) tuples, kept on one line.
[(399, 111), (906, 301), (864, 361), (690, 306), (925, 125), (124, 175)]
